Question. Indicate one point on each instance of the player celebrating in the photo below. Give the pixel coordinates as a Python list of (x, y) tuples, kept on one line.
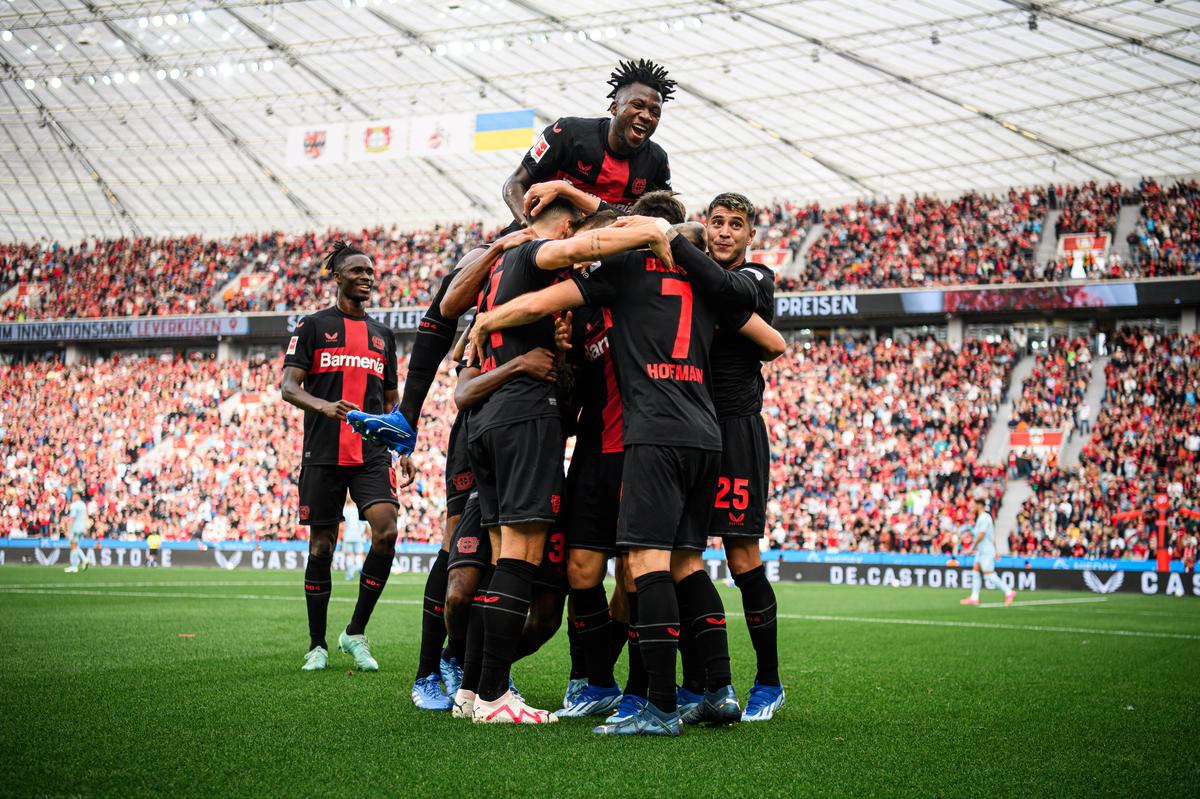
[(341, 360), (613, 159), (739, 513), (984, 547), (516, 444), (660, 338)]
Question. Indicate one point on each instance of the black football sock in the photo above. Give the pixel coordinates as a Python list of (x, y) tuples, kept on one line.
[(433, 623), (635, 683), (507, 601), (473, 646), (658, 636), (317, 587), (708, 628), (618, 635), (758, 603), (376, 569), (578, 665), (591, 626), (690, 655), (541, 624)]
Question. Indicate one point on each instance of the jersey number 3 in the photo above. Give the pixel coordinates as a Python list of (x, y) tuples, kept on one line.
[(682, 289)]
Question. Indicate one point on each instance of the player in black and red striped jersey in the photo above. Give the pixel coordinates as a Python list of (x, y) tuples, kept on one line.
[(613, 159), (664, 320), (516, 442), (338, 361)]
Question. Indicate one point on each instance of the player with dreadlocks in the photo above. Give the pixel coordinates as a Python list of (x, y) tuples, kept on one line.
[(340, 362), (613, 159)]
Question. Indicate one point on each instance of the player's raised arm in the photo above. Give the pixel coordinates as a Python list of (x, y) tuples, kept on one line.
[(598, 244), (473, 270)]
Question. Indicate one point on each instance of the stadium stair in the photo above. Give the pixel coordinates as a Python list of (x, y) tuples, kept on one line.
[(995, 444), (1048, 243), (1126, 221), (1068, 456), (799, 264), (234, 285), (1015, 494)]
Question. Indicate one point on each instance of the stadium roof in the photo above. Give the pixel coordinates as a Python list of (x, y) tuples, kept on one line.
[(173, 116)]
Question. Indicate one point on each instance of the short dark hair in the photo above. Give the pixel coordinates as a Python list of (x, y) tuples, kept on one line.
[(560, 205), (641, 71), (598, 219), (734, 202), (663, 204), (340, 252)]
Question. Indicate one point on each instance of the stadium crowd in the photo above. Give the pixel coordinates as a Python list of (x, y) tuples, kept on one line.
[(874, 444), (148, 444), (925, 240), (1145, 442), (1055, 388)]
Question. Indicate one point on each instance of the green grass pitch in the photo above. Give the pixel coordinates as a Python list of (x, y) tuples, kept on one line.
[(125, 682)]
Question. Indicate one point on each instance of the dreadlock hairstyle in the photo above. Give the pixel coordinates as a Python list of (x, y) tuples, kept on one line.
[(340, 252), (641, 71)]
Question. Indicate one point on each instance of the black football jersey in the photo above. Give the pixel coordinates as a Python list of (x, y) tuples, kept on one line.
[(660, 338), (523, 397), (575, 149), (346, 358), (600, 419), (736, 366)]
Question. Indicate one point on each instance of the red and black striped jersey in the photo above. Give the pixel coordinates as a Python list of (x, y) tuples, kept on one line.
[(346, 358), (599, 398), (523, 397), (575, 149)]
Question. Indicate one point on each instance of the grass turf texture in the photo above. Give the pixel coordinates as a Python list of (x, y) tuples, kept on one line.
[(186, 682)]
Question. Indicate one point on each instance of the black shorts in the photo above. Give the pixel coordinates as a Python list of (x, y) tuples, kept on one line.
[(518, 472), (470, 545), (593, 499), (666, 497), (460, 481), (323, 490), (740, 506)]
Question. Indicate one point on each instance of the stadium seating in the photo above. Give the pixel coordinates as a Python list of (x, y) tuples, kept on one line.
[(1146, 441), (1056, 386), (972, 238), (874, 444)]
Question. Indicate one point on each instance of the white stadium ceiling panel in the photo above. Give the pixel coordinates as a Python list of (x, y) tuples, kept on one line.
[(172, 117)]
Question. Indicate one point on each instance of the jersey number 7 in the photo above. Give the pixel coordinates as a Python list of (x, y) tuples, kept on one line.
[(672, 287)]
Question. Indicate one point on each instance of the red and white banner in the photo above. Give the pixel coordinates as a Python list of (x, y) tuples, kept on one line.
[(774, 259), (1083, 242), (316, 145), (1038, 439)]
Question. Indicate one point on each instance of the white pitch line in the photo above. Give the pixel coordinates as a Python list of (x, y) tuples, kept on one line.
[(975, 625), (182, 595), (1029, 602)]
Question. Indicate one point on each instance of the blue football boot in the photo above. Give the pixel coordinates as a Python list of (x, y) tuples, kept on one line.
[(390, 429), (721, 706), (452, 674), (689, 704), (763, 702), (648, 721), (592, 701), (427, 694)]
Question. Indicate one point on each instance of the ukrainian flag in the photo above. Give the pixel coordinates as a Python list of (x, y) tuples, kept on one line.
[(506, 130)]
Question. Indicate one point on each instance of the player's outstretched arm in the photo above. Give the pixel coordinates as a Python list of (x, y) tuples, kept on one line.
[(474, 386), (595, 245), (292, 389), (525, 309), (473, 271), (735, 289), (770, 343)]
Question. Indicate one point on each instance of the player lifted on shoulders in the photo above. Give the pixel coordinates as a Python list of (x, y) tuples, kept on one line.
[(340, 360), (613, 159), (984, 547)]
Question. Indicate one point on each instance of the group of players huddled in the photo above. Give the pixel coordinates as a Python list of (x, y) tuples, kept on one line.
[(600, 314)]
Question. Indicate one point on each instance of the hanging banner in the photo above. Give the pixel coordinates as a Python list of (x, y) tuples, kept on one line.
[(441, 135), (316, 145), (377, 140)]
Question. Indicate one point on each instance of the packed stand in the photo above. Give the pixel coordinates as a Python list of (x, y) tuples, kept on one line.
[(1166, 239), (144, 440), (926, 241), (1146, 441), (1088, 208), (874, 444), (1056, 387)]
